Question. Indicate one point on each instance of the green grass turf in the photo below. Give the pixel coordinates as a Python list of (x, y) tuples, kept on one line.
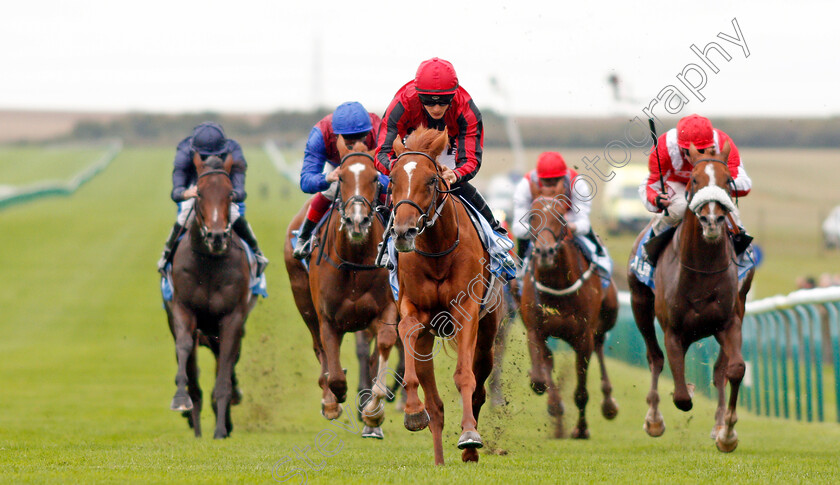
[(88, 366), (26, 165)]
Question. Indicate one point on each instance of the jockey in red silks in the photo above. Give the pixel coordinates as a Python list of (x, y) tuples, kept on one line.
[(435, 99), (676, 171), (551, 170), (319, 174)]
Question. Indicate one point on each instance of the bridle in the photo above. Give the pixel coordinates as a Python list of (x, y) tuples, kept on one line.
[(430, 215), (199, 216), (731, 184)]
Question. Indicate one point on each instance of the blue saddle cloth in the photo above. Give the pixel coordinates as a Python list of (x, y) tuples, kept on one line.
[(257, 285), (644, 270), (497, 246)]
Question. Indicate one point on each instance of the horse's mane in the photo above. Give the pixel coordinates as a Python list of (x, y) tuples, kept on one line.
[(214, 163), (421, 139)]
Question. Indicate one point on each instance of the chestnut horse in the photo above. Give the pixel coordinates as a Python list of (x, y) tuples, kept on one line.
[(441, 263), (344, 291), (211, 297), (697, 295), (562, 297)]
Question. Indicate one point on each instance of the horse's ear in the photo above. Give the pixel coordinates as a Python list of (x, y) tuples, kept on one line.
[(693, 154), (725, 151), (198, 162), (439, 144), (399, 148), (342, 147), (228, 165)]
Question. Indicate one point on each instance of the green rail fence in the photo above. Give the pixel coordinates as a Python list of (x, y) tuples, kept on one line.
[(18, 195), (791, 346)]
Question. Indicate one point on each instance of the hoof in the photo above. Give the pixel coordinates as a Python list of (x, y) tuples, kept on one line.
[(374, 417), (470, 439), (417, 421), (373, 432), (236, 398), (181, 403), (609, 408), (654, 429), (724, 444), (577, 434), (331, 411), (539, 387), (683, 404), (219, 435)]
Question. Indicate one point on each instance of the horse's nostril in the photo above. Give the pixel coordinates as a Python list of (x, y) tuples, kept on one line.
[(365, 221), (412, 232)]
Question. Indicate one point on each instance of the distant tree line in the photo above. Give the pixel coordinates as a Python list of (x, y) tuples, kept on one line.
[(291, 128)]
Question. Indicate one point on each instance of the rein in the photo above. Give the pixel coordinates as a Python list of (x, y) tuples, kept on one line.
[(433, 208)]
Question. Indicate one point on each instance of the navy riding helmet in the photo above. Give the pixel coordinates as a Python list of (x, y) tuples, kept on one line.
[(209, 139), (351, 118)]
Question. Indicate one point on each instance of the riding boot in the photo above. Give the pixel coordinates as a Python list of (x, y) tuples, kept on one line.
[(169, 246), (243, 230), (599, 248), (655, 245), (303, 247), (478, 202), (741, 241), (522, 247)]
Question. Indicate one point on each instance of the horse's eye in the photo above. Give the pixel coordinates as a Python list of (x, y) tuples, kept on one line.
[(432, 181)]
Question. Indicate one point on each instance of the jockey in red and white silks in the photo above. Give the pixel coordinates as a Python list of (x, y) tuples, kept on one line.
[(673, 167)]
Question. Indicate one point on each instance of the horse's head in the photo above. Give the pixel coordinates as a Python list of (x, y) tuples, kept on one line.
[(416, 184), (212, 205), (708, 190), (548, 228), (358, 189)]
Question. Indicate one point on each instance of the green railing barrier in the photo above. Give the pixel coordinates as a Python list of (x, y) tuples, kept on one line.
[(18, 195), (280, 164), (796, 334)]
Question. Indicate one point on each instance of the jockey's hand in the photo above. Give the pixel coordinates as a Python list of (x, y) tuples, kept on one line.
[(190, 192), (571, 227), (333, 176), (663, 201), (449, 175)]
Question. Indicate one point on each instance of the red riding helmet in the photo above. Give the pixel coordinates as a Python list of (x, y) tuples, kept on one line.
[(695, 129), (551, 165), (436, 76)]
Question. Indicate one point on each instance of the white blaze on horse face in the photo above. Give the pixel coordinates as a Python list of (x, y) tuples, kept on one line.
[(409, 169), (357, 168), (710, 171), (215, 215)]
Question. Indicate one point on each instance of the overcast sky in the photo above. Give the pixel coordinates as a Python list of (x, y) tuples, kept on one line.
[(552, 58)]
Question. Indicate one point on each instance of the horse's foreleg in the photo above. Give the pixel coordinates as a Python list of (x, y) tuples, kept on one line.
[(194, 416), (183, 329), (583, 353), (482, 367), (336, 380), (727, 438), (410, 328), (676, 358), (641, 302), (465, 379), (433, 402), (540, 366), (609, 407), (231, 339)]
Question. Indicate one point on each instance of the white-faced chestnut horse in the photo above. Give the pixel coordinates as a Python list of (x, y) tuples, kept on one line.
[(211, 297), (562, 297), (443, 277), (344, 291), (697, 295)]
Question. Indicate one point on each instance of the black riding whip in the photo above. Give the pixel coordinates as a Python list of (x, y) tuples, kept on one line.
[(658, 164)]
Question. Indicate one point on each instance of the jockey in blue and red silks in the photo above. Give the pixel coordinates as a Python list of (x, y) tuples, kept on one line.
[(208, 139), (435, 99), (672, 166), (319, 174)]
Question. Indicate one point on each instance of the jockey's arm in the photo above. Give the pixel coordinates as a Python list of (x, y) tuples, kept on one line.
[(470, 143), (388, 132), (182, 171), (577, 217), (237, 172), (312, 178)]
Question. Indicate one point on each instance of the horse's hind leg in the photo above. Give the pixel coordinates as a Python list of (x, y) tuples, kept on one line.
[(386, 338), (363, 339), (231, 339), (583, 353), (641, 302), (194, 416), (730, 341), (609, 407), (497, 398)]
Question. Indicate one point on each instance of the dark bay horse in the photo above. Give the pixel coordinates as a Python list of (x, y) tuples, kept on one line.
[(697, 295), (562, 297), (211, 296), (443, 277), (344, 291)]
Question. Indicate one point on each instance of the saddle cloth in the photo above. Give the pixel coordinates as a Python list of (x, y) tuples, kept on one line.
[(644, 270), (257, 285)]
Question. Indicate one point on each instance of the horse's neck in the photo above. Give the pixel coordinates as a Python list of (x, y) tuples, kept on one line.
[(569, 267), (444, 232), (695, 251)]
